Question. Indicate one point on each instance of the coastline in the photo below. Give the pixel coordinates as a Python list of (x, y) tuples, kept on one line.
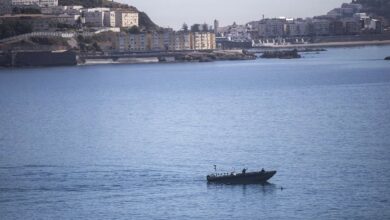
[(78, 59), (330, 44)]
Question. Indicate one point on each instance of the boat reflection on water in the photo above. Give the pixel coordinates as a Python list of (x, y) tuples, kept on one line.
[(262, 188)]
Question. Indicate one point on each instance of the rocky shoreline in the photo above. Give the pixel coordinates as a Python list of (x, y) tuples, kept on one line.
[(216, 56), (70, 58), (167, 57), (283, 54)]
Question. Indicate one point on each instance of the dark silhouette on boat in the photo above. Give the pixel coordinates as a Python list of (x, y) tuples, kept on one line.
[(241, 178)]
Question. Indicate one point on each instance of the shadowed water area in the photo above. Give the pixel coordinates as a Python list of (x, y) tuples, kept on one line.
[(137, 141)]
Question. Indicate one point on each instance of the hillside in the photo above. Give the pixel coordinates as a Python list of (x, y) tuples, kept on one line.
[(144, 20), (376, 8)]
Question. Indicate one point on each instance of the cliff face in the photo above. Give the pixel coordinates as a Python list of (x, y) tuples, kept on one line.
[(144, 20)]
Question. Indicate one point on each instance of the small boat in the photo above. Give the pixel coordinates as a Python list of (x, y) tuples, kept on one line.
[(241, 178)]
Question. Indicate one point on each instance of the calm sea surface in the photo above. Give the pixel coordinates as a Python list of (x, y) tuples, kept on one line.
[(136, 141)]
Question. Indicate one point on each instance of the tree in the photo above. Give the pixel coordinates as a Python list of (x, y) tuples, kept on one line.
[(27, 10), (205, 27), (13, 28), (134, 30), (195, 28), (185, 27)]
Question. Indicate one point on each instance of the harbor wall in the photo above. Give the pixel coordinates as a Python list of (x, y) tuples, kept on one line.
[(43, 58), (38, 58)]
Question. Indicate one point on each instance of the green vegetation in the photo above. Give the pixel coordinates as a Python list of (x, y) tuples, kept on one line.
[(95, 3), (134, 30), (195, 28), (184, 27), (26, 10), (146, 23), (376, 7), (87, 44), (85, 3), (49, 41), (13, 28), (200, 28)]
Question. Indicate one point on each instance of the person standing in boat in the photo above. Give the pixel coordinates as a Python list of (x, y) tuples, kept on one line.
[(244, 171)]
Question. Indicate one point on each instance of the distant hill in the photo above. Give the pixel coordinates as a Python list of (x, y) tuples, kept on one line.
[(144, 20), (376, 8)]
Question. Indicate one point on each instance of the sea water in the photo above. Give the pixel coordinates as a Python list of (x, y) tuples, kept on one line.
[(137, 141)]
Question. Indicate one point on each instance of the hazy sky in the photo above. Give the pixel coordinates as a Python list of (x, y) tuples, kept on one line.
[(172, 13)]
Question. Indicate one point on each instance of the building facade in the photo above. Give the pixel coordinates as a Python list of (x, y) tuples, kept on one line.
[(203, 41), (105, 17), (94, 17), (271, 27), (126, 19), (166, 40)]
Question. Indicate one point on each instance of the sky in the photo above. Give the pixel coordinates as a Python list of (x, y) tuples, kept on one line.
[(173, 13)]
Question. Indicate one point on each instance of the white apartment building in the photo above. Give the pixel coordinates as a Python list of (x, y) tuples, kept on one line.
[(126, 19), (203, 41), (165, 40)]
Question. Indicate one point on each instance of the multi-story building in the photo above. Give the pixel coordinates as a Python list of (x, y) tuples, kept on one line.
[(203, 41), (126, 19), (104, 17), (94, 17), (157, 40), (351, 26), (165, 40), (336, 27), (121, 42), (321, 27), (169, 39), (183, 40), (238, 33), (109, 19), (375, 26), (296, 27), (216, 26), (272, 27)]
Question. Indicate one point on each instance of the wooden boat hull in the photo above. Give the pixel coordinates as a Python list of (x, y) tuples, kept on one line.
[(248, 178)]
